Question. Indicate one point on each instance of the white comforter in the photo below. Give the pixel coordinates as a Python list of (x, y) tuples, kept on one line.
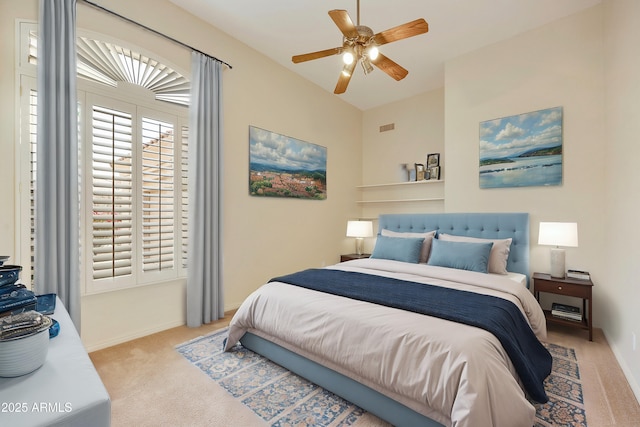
[(456, 374)]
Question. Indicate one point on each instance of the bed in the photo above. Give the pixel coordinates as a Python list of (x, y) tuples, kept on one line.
[(407, 367)]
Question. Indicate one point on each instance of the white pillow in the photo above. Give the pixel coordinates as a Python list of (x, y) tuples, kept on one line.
[(426, 245), (499, 252)]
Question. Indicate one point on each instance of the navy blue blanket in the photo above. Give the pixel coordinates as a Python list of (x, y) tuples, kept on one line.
[(502, 318)]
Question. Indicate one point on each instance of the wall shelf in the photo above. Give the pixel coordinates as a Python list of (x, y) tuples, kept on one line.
[(430, 181), (401, 192), (433, 199)]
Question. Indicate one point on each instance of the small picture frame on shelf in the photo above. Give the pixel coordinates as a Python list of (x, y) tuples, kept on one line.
[(420, 170), (433, 160), (434, 172)]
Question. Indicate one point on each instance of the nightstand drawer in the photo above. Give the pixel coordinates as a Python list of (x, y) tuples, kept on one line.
[(350, 257), (568, 289)]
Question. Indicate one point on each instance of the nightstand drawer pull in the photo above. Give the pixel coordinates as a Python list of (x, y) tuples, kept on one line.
[(559, 288)]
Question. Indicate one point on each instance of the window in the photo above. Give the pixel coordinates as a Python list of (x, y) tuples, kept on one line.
[(134, 170), (112, 193), (158, 208)]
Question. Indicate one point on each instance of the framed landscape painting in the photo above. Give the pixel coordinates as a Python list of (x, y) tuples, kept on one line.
[(522, 151), (281, 166)]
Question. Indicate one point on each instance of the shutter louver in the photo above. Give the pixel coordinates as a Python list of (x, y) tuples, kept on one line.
[(157, 195), (33, 134), (112, 193), (184, 211)]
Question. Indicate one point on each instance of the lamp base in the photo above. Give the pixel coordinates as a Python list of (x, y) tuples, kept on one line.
[(359, 245), (557, 263)]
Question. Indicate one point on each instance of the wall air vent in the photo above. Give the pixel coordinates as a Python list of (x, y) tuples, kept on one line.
[(390, 126)]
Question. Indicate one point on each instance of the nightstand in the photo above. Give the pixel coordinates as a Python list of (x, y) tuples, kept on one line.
[(349, 257), (569, 287)]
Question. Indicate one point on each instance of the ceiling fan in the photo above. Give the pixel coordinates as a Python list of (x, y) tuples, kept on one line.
[(360, 45)]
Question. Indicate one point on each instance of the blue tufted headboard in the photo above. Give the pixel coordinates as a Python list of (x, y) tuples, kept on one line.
[(483, 225)]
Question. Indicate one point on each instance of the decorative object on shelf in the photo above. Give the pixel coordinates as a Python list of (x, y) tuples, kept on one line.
[(359, 230), (406, 171), (281, 166), (420, 172), (524, 150), (558, 234), (434, 172), (410, 170), (433, 160)]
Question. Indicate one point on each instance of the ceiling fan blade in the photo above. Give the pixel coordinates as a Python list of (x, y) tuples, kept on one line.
[(344, 23), (390, 67), (410, 29), (345, 78), (316, 55)]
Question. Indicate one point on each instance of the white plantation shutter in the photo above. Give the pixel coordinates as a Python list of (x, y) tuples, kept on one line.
[(134, 180), (184, 206), (109, 64), (158, 205), (112, 192), (33, 134)]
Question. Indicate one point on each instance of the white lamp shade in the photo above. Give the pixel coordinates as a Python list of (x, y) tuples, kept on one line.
[(359, 228), (558, 234)]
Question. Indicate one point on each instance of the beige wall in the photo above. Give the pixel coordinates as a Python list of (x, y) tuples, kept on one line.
[(619, 308), (565, 63), (559, 64), (418, 131), (262, 237)]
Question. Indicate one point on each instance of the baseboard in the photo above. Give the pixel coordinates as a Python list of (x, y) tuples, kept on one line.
[(132, 336), (635, 387), (145, 332), (232, 307)]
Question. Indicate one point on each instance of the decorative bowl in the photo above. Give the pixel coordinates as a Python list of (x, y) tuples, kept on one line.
[(3, 259), (22, 355), (9, 274)]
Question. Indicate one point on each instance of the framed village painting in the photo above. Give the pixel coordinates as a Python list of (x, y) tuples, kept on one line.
[(522, 151), (281, 166)]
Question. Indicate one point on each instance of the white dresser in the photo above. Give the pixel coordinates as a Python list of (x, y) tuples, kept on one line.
[(65, 391)]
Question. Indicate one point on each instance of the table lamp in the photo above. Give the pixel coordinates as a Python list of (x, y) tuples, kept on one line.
[(359, 230), (558, 234)]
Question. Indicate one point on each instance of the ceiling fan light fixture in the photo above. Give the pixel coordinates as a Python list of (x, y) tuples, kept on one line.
[(373, 52), (347, 57)]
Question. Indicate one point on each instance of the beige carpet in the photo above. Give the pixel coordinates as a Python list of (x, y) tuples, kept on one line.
[(151, 384)]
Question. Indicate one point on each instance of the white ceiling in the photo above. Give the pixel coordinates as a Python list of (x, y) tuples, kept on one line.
[(282, 28)]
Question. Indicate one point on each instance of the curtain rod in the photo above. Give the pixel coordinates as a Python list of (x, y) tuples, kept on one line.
[(97, 6)]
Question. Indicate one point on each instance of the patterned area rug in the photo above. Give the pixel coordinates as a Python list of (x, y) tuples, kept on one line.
[(565, 406), (282, 398)]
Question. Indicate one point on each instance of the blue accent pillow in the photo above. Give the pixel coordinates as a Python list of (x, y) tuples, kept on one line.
[(398, 249), (460, 255)]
